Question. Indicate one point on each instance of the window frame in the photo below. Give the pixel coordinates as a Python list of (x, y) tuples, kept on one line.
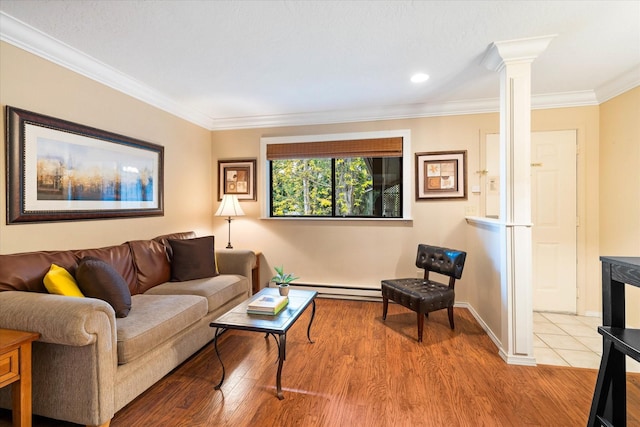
[(407, 163)]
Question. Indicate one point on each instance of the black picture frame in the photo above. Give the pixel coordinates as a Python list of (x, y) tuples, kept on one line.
[(63, 171)]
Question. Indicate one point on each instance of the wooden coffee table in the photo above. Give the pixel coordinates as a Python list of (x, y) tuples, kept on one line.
[(276, 326)]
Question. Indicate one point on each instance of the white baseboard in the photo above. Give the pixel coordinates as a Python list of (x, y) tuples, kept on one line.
[(481, 322), (593, 314), (362, 293), (517, 360)]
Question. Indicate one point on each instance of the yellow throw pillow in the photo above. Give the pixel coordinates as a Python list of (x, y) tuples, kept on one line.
[(59, 281)]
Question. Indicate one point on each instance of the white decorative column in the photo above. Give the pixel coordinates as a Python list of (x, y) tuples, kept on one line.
[(512, 59)]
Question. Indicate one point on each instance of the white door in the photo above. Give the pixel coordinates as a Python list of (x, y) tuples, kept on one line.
[(553, 205)]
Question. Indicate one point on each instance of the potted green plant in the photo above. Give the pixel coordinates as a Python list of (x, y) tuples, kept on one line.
[(282, 280)]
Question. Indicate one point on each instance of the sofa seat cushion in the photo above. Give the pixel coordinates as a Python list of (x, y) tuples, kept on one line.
[(154, 319), (217, 290)]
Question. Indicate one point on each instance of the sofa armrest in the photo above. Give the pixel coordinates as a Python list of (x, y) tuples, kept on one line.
[(58, 319), (236, 261), (75, 359)]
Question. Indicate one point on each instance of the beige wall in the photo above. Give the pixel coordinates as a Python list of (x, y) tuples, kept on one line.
[(360, 253), (32, 83), (353, 253), (483, 264), (620, 185)]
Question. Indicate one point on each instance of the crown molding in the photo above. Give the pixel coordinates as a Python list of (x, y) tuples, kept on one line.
[(563, 100), (34, 41), (30, 39), (456, 108), (377, 113), (619, 85)]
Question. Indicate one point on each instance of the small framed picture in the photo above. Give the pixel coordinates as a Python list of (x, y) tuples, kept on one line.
[(441, 175), (237, 177)]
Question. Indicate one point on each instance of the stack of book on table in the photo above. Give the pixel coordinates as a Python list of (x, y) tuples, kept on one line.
[(268, 304)]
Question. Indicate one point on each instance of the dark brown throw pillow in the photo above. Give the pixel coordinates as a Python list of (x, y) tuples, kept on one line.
[(192, 258), (98, 279)]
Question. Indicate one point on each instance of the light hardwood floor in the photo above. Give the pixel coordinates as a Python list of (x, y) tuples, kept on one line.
[(362, 371)]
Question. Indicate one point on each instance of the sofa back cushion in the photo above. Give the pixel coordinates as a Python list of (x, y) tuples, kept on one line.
[(142, 264), (164, 239), (152, 264), (26, 271), (119, 257)]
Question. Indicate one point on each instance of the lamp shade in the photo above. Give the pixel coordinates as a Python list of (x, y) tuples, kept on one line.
[(229, 206)]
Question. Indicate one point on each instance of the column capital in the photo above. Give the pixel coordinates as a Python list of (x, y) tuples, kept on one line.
[(520, 50)]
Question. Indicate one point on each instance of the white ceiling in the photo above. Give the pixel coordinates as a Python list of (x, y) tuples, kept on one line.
[(237, 64)]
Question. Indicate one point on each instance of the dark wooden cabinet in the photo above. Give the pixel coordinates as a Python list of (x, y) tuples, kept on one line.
[(609, 405)]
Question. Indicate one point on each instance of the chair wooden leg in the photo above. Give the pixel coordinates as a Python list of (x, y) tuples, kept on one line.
[(450, 311), (385, 307), (420, 325)]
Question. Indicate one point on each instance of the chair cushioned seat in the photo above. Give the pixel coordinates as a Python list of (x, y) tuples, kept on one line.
[(424, 295), (418, 295), (154, 319)]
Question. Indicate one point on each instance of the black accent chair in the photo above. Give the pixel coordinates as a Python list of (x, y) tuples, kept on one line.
[(424, 295)]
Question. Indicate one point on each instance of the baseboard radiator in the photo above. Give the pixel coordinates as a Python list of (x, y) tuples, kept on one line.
[(341, 291)]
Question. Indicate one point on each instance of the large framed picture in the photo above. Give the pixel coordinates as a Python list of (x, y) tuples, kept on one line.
[(237, 177), (60, 171), (441, 175)]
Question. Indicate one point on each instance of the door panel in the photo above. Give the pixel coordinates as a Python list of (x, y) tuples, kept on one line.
[(553, 182)]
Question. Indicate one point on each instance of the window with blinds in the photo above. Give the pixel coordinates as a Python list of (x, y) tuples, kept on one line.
[(351, 178)]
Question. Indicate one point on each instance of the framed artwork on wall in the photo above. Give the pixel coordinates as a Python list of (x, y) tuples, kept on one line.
[(441, 175), (237, 177), (60, 171)]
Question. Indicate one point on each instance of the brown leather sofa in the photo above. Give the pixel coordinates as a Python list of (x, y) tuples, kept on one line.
[(88, 364)]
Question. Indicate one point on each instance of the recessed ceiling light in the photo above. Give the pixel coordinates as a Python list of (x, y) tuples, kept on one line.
[(419, 78)]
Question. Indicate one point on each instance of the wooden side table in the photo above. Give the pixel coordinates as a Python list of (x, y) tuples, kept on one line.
[(255, 275), (15, 369)]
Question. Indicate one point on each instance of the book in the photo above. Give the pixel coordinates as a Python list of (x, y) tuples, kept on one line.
[(268, 304)]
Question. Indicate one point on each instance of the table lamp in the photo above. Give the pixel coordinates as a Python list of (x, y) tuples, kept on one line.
[(229, 207)]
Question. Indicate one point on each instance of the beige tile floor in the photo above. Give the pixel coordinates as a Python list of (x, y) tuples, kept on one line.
[(568, 340)]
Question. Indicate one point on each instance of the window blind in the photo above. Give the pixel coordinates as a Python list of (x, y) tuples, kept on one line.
[(378, 147)]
